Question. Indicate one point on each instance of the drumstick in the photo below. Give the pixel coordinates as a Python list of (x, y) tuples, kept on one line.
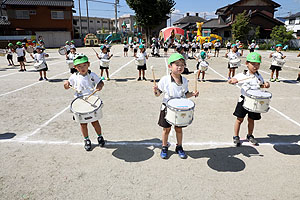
[(196, 81), (91, 94), (245, 78), (94, 50), (73, 88), (153, 75)]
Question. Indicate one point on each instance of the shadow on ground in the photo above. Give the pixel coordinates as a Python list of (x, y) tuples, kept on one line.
[(7, 136), (223, 159)]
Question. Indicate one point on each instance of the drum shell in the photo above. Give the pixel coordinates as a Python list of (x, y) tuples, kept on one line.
[(2, 52), (70, 63), (278, 62), (62, 51), (139, 62), (104, 62), (235, 63), (39, 65), (204, 65), (257, 104), (29, 49), (179, 117), (87, 117)]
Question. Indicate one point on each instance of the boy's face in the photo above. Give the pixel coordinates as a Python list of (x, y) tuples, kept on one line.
[(39, 50), (73, 51), (83, 68), (278, 48), (177, 67), (142, 50), (104, 50), (253, 66), (234, 49)]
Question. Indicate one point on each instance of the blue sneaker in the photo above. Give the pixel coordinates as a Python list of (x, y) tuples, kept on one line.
[(164, 152), (180, 152)]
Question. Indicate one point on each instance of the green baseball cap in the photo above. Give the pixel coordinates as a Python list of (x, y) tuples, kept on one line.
[(19, 43), (72, 41), (174, 57), (254, 57), (141, 46), (253, 40), (80, 58), (10, 44), (218, 40), (125, 42), (102, 47), (203, 55), (67, 42), (278, 45)]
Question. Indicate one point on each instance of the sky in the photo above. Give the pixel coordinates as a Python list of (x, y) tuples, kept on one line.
[(97, 9)]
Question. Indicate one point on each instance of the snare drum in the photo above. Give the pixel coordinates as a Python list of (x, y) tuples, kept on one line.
[(62, 51), (204, 65), (104, 62), (279, 62), (257, 101), (235, 63), (70, 63), (29, 49), (139, 62), (180, 112), (2, 52), (39, 65), (86, 111)]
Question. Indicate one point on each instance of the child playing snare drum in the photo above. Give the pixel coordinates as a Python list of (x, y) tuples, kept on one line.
[(250, 79), (234, 54), (275, 67), (10, 52), (71, 56), (38, 57), (85, 82), (142, 56), (104, 55), (20, 56), (173, 85), (201, 58)]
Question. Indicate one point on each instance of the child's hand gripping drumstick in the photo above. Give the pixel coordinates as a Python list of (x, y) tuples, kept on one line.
[(153, 75), (234, 80), (91, 94)]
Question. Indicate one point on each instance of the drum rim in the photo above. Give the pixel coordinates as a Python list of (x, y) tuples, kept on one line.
[(254, 111), (86, 113), (176, 109), (259, 97), (180, 125)]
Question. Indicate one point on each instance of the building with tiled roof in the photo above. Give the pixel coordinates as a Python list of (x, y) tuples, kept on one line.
[(292, 23)]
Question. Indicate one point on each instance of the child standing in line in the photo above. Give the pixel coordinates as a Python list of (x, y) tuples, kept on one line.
[(198, 46), (166, 47), (135, 48), (210, 46), (20, 56), (194, 47), (125, 49), (40, 57), (71, 56), (72, 45), (10, 52), (201, 58), (233, 55), (253, 64), (85, 82), (274, 66), (298, 79), (252, 46), (142, 55), (217, 47), (206, 46), (228, 46), (104, 55), (173, 85), (67, 47)]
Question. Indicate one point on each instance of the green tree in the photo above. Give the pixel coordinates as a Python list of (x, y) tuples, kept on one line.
[(240, 26), (281, 35), (257, 32), (151, 13)]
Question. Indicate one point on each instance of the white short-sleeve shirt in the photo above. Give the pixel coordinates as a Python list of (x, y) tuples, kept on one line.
[(85, 85), (233, 56), (253, 83), (206, 45), (141, 56), (217, 44), (67, 47), (71, 56), (276, 55), (20, 52), (171, 89), (40, 57)]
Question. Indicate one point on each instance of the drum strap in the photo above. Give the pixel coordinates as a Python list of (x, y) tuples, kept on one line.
[(171, 88)]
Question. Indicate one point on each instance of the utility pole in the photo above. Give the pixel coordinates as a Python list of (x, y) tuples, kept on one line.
[(170, 18), (87, 14), (116, 15), (204, 16), (80, 25)]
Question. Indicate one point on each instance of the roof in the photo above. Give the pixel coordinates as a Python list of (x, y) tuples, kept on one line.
[(229, 6), (189, 19), (293, 16), (4, 22), (62, 3), (213, 23), (276, 21)]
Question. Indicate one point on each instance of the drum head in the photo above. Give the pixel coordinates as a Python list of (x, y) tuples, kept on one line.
[(235, 61), (62, 51), (105, 60), (259, 93), (85, 106), (181, 103), (204, 64), (29, 49), (38, 63)]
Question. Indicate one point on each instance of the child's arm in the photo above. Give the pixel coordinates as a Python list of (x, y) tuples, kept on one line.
[(242, 52), (298, 55), (192, 94), (271, 54), (265, 85), (110, 56), (226, 55), (98, 56), (67, 58), (31, 56), (232, 81), (46, 55), (283, 57), (156, 91), (66, 85), (100, 85)]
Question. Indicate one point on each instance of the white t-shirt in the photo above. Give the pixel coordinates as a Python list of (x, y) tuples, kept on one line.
[(135, 46), (169, 87), (194, 45), (206, 45), (228, 44), (252, 45), (40, 57), (276, 55), (125, 46), (20, 52), (210, 44), (198, 56), (253, 83), (71, 56), (233, 56), (141, 56), (166, 46), (217, 44), (104, 56), (85, 85), (72, 46), (68, 47), (9, 52)]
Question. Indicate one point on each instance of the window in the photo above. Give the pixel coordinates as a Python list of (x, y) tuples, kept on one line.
[(98, 22), (57, 15), (32, 12), (91, 21), (83, 20), (292, 21), (75, 22), (22, 14), (104, 22)]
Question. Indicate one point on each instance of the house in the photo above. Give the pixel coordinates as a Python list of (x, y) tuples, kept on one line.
[(260, 12), (188, 22), (292, 23), (95, 25), (48, 19)]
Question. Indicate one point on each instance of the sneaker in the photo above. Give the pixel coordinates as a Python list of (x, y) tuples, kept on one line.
[(251, 139), (272, 79), (41, 79), (139, 79), (277, 80), (87, 145), (45, 78), (21, 70), (108, 79), (199, 79), (101, 141), (298, 79), (24, 69), (180, 151), (203, 80), (9, 64), (236, 141), (102, 78), (144, 79), (229, 78), (164, 152)]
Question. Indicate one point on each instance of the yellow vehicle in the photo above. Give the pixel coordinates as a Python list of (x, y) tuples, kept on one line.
[(91, 40), (213, 37)]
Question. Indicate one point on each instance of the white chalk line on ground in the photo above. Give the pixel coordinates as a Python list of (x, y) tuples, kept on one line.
[(38, 82), (155, 144), (24, 137), (272, 108)]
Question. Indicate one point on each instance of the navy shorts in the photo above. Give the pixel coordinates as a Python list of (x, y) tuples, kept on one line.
[(241, 112)]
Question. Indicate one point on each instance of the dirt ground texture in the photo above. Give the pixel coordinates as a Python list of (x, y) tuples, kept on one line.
[(42, 153)]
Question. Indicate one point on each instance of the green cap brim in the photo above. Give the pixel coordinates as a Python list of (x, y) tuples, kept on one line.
[(254, 57), (174, 57), (80, 60)]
